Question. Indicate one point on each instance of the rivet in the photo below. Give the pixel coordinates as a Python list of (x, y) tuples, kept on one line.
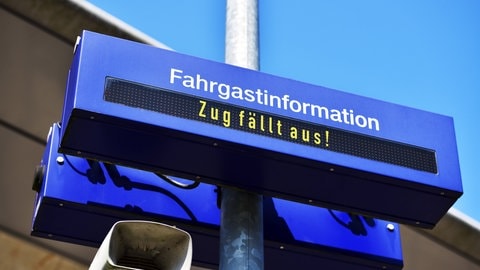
[(390, 227), (332, 169), (60, 160), (282, 247)]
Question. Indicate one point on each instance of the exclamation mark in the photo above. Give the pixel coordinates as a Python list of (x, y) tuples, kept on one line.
[(326, 137)]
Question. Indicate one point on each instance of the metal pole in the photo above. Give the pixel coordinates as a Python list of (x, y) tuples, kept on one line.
[(241, 34), (241, 227)]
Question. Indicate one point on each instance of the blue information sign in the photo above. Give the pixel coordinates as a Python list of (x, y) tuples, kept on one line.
[(158, 110), (79, 200)]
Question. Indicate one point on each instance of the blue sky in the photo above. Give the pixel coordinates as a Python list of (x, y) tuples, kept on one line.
[(421, 54)]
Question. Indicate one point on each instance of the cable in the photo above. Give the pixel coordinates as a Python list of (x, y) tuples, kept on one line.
[(73, 167), (125, 182), (176, 183), (95, 175), (355, 225)]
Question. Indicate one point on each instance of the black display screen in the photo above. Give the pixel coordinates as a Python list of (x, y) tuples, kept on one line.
[(270, 125)]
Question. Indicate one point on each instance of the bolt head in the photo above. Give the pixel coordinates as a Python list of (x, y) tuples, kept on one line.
[(60, 160)]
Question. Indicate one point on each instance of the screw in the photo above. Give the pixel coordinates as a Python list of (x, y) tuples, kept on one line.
[(60, 160), (390, 227)]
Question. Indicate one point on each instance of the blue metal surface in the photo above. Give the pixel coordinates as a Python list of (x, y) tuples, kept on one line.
[(79, 201), (256, 159)]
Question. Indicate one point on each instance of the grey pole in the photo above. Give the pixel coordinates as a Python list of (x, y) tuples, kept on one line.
[(241, 35), (241, 226)]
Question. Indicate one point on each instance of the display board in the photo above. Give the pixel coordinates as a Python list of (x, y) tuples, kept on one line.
[(157, 110)]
